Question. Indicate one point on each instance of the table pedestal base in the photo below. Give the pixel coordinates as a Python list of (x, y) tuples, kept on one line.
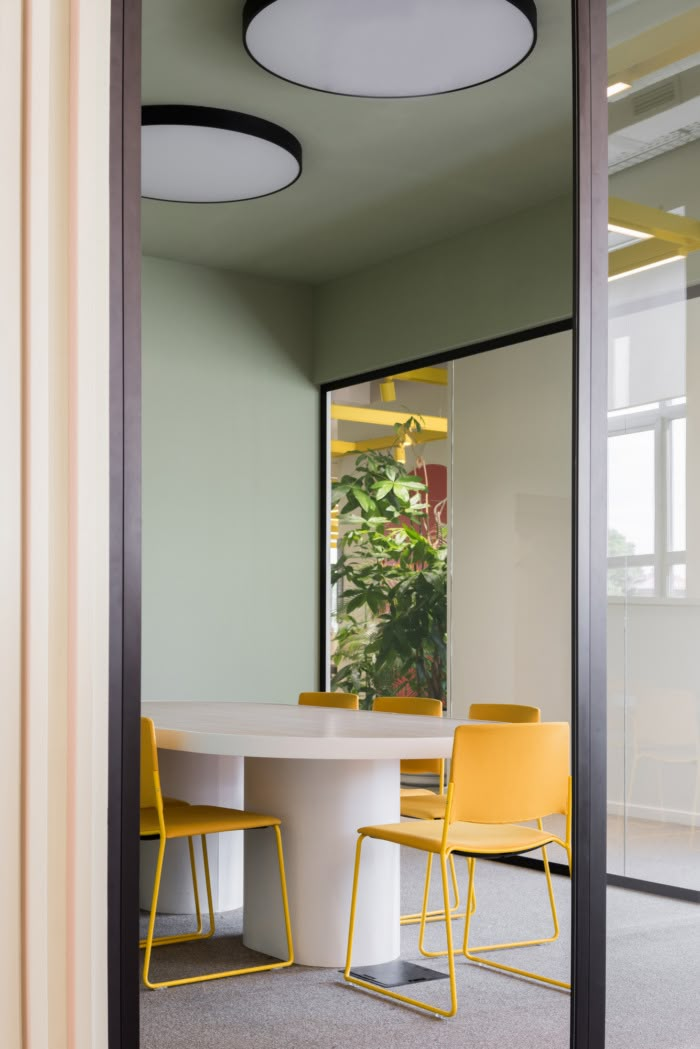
[(321, 805)]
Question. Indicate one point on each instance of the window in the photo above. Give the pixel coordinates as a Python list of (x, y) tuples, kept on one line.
[(647, 500)]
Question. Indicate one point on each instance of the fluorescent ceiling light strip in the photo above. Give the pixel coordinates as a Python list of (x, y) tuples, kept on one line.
[(618, 88), (648, 266), (628, 232)]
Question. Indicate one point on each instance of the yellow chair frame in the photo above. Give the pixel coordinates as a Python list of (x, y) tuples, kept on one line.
[(156, 814), (419, 705), (338, 700), (502, 776)]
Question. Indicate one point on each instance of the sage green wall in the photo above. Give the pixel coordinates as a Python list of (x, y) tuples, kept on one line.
[(494, 280), (230, 454)]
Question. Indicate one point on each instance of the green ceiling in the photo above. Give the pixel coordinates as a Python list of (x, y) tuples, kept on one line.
[(380, 177)]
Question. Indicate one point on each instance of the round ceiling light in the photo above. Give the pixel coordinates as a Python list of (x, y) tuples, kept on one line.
[(194, 154), (389, 48)]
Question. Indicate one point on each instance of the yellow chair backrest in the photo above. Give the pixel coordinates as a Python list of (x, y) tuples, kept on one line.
[(150, 778), (509, 773), (513, 712), (414, 705), (340, 700)]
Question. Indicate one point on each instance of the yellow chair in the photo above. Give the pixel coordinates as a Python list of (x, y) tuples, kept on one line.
[(515, 713), (419, 767), (433, 807), (340, 700), (167, 819), (501, 776), (415, 766)]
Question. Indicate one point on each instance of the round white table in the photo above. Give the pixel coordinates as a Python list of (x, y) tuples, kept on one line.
[(325, 773)]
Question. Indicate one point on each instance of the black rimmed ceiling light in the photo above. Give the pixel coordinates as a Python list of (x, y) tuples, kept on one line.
[(389, 48), (194, 154)]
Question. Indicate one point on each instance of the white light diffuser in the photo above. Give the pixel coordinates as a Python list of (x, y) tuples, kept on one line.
[(617, 89), (194, 154), (389, 48), (628, 232), (646, 266)]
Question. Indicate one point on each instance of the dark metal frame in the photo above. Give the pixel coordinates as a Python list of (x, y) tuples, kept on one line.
[(125, 525), (590, 345), (589, 612)]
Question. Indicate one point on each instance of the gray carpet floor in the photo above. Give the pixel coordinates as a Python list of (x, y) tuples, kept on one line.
[(653, 982)]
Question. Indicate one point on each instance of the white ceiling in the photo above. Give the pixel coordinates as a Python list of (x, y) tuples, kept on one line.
[(380, 177)]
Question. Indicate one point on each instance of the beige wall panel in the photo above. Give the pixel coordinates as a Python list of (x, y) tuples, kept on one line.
[(10, 519), (54, 429)]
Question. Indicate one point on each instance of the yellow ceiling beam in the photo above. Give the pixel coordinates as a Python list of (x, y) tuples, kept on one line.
[(374, 444), (655, 49), (380, 417), (640, 256), (435, 376), (653, 222)]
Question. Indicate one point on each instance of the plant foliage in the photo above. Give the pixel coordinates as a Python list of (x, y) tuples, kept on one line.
[(391, 575)]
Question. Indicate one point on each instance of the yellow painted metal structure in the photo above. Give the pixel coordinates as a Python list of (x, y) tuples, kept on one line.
[(431, 375), (501, 777), (655, 49), (166, 819), (666, 237), (369, 444), (354, 413)]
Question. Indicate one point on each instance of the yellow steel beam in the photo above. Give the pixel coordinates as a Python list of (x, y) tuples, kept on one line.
[(379, 417), (372, 444), (643, 255), (655, 49), (653, 222), (436, 376)]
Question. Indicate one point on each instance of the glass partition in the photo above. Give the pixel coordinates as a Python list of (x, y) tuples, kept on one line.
[(390, 452), (653, 523), (653, 434)]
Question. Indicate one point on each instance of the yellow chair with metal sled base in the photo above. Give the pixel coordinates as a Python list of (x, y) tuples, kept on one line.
[(501, 776), (339, 700), (425, 805), (433, 807), (166, 820), (420, 767)]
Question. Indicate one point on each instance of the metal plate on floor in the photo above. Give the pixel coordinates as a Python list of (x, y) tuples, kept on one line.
[(397, 974)]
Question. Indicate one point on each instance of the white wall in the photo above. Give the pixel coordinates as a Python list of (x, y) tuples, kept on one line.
[(511, 528), (230, 453)]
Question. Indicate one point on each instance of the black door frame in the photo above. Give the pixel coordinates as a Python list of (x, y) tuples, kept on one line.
[(590, 359), (125, 525)]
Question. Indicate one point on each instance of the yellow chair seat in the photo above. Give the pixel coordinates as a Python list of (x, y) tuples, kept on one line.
[(416, 792), (477, 839), (185, 821)]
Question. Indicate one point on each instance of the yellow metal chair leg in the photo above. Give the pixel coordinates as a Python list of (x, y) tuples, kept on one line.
[(437, 915), (230, 972), (471, 903), (355, 981), (471, 955), (161, 941), (530, 943)]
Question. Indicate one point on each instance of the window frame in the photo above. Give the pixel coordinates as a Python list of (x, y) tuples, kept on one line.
[(657, 420)]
